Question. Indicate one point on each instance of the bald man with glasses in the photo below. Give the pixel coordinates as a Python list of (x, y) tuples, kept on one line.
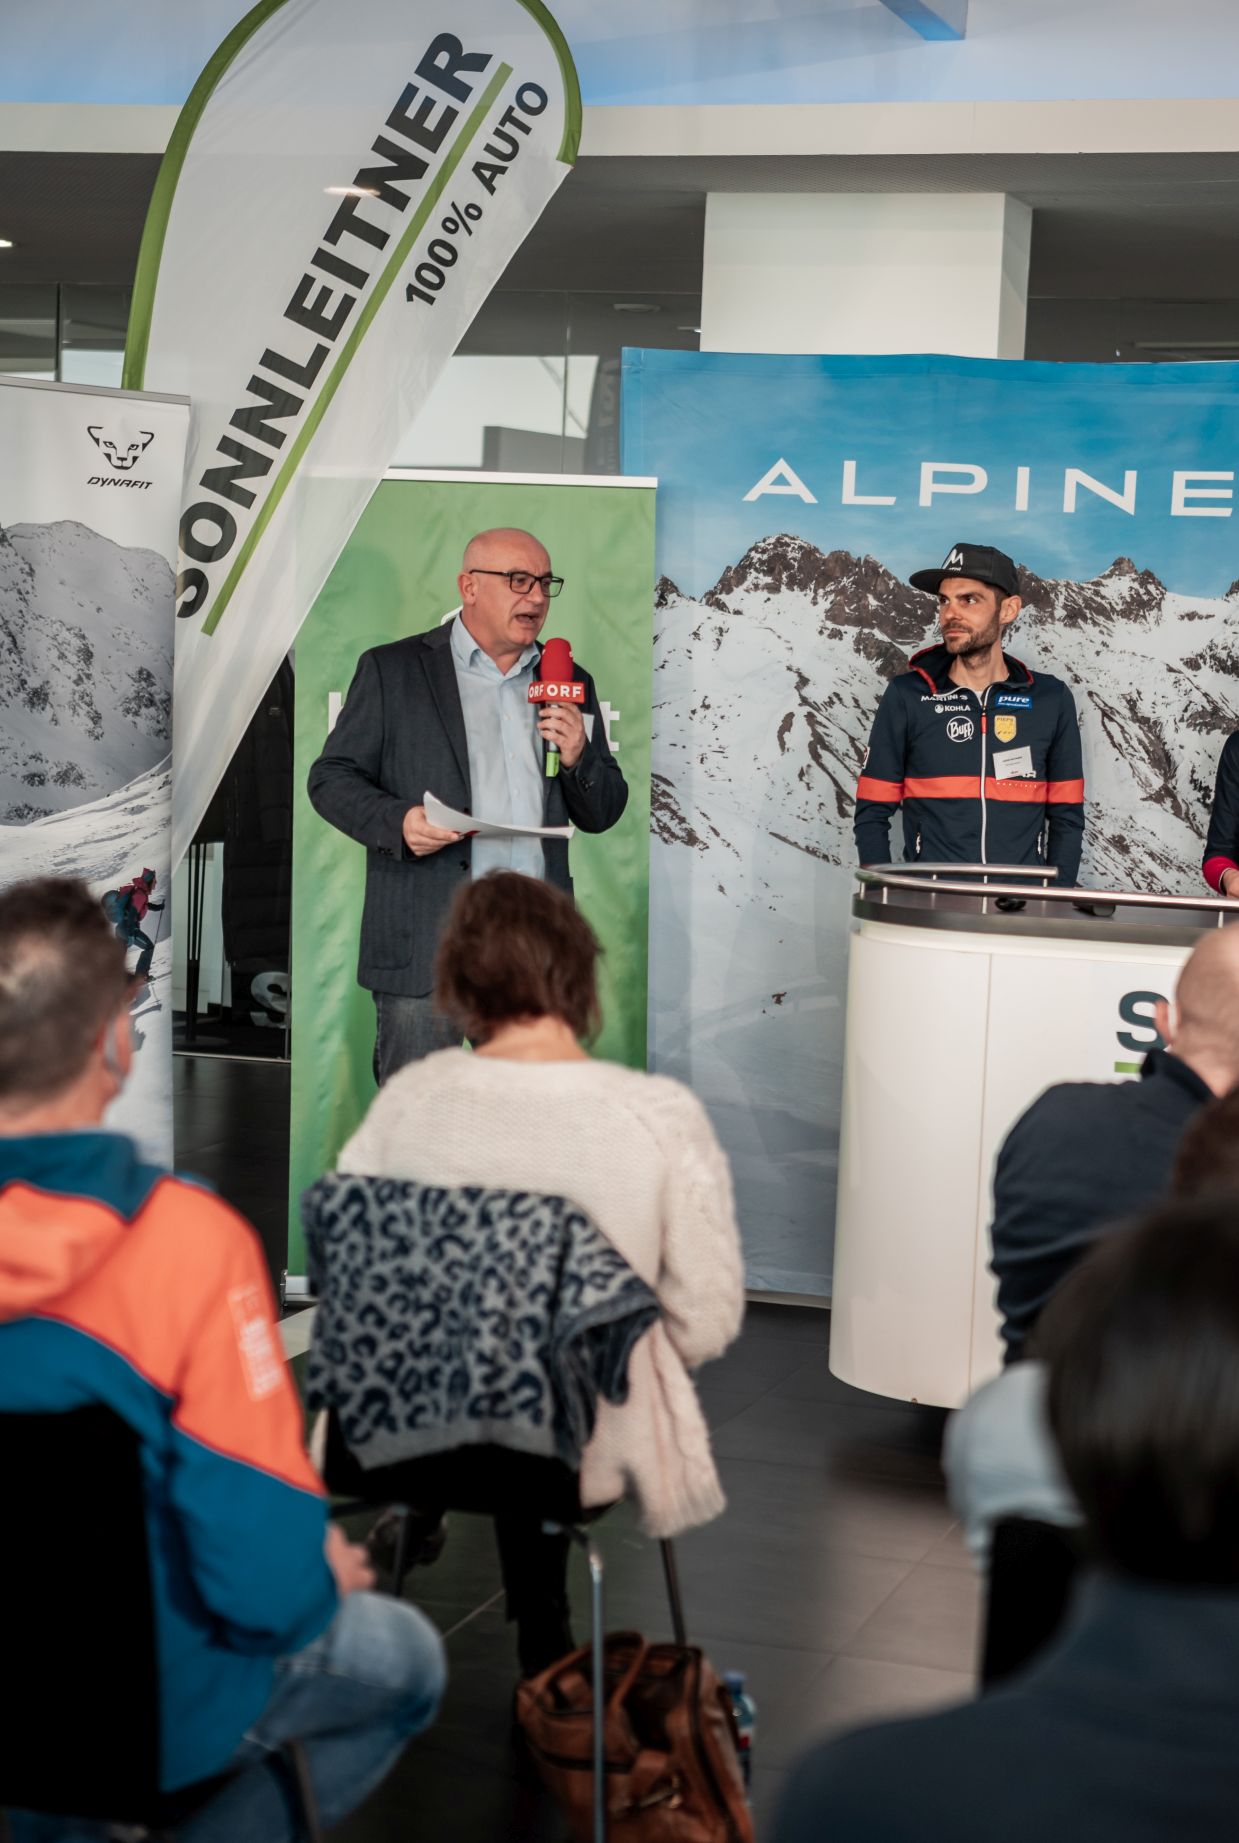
[(447, 712)]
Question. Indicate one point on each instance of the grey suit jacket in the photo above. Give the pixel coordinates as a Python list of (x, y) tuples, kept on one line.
[(400, 734)]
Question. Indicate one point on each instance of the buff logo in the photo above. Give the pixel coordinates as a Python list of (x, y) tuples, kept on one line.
[(331, 305)]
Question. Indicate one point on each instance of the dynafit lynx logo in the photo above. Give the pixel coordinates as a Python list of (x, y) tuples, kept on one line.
[(122, 447)]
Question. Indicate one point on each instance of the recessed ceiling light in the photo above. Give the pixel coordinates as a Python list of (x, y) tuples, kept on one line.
[(352, 191), (6, 243)]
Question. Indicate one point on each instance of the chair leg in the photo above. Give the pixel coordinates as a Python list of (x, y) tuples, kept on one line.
[(598, 1643), (401, 1558), (672, 1573), (303, 1788)]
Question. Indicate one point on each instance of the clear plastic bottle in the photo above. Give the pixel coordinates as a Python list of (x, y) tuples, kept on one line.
[(736, 1684)]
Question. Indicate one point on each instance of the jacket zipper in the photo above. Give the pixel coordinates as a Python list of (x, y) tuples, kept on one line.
[(984, 807)]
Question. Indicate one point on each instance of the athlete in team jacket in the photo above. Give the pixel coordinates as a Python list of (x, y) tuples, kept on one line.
[(983, 755), (1221, 865)]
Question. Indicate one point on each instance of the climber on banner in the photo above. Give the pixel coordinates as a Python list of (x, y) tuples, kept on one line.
[(127, 908)]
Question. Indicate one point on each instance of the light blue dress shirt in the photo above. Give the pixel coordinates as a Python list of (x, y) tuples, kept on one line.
[(505, 752)]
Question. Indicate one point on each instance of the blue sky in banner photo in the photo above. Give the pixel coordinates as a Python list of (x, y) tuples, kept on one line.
[(710, 426)]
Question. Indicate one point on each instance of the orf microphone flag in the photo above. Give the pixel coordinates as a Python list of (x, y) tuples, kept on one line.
[(556, 686)]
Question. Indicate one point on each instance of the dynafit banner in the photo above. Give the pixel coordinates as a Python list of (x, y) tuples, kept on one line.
[(344, 187)]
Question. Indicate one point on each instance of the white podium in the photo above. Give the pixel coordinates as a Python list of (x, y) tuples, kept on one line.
[(959, 1015)]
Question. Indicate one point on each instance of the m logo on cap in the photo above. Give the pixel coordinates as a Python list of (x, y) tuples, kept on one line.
[(955, 561)]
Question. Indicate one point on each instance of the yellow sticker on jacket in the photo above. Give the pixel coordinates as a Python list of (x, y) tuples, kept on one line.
[(1004, 728)]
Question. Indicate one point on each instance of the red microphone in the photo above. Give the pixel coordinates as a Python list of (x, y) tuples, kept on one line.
[(556, 686)]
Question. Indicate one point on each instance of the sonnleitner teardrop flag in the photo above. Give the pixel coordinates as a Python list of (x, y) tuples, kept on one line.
[(345, 185)]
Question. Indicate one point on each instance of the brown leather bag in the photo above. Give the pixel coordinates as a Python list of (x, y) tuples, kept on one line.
[(670, 1744)]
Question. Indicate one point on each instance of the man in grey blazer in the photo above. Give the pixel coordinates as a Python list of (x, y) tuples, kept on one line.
[(446, 712)]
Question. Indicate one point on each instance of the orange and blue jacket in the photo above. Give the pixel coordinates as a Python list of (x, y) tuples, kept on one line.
[(122, 1284), (989, 779)]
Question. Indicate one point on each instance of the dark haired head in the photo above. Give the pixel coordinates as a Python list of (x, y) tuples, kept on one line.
[(516, 947), (62, 979), (1207, 1161), (1142, 1343)]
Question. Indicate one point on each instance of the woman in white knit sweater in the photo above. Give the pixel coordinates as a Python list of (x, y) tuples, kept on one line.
[(529, 1110)]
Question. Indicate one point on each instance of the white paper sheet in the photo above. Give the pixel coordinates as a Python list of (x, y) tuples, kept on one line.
[(446, 816)]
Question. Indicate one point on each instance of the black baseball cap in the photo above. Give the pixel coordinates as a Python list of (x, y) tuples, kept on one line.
[(978, 562)]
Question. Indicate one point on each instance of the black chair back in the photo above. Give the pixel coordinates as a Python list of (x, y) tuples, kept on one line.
[(81, 1724), (482, 1479), (1032, 1575)]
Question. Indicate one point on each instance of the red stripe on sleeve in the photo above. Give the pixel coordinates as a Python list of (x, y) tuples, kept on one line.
[(869, 788)]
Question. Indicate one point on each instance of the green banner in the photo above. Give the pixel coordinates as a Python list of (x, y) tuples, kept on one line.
[(396, 576)]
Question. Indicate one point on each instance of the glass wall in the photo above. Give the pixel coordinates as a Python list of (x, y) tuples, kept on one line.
[(534, 387)]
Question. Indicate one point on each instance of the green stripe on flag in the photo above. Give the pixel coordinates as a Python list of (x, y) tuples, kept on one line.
[(1128, 1068), (142, 307), (335, 378), (570, 146)]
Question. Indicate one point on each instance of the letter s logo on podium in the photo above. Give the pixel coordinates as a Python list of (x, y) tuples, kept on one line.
[(1136, 1008)]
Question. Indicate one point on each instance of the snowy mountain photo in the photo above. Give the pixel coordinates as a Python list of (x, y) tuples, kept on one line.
[(764, 692), (85, 667), (87, 616), (108, 842), (796, 647)]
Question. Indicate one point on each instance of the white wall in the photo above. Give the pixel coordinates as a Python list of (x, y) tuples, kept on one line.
[(865, 272)]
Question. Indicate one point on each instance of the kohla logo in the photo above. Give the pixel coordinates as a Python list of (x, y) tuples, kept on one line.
[(122, 447)]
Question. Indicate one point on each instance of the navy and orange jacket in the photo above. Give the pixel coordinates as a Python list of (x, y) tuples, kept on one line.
[(1222, 843), (122, 1284), (989, 779)]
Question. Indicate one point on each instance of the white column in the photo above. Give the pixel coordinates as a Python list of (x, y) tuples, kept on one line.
[(865, 272)]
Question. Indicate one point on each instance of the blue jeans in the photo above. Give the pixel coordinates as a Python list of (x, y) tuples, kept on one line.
[(353, 1699), (406, 1030)]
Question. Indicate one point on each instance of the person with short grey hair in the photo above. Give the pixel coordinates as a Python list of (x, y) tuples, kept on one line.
[(446, 712)]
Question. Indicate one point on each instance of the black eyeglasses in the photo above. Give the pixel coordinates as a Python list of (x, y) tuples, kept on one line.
[(521, 581)]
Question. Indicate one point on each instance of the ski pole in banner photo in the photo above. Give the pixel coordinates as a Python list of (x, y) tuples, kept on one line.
[(343, 188)]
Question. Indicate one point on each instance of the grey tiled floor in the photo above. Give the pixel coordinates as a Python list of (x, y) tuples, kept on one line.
[(836, 1579)]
